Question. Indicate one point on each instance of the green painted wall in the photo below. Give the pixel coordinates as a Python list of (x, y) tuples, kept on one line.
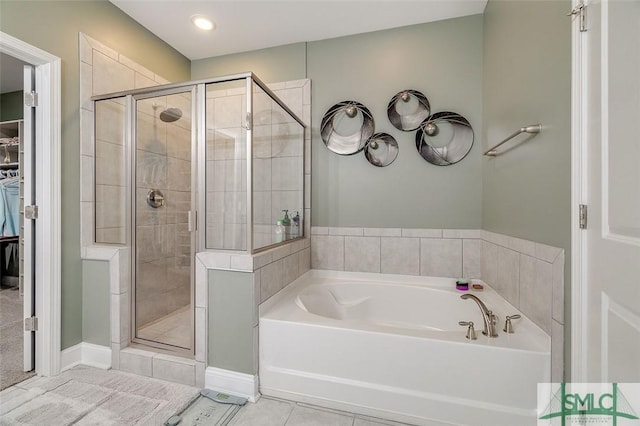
[(53, 26), (527, 80), (11, 106), (232, 318), (441, 59), (96, 303), (271, 65)]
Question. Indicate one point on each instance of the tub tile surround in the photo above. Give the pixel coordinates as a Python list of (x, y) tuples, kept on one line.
[(529, 275)]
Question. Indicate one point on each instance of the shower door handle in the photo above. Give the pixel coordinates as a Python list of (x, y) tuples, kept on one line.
[(193, 220)]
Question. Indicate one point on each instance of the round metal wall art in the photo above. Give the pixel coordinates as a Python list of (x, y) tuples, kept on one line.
[(407, 109), (444, 138), (346, 127), (381, 149)]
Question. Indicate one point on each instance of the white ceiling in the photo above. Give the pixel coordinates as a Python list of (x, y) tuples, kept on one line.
[(243, 25)]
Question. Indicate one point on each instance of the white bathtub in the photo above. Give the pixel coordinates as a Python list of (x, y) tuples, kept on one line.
[(390, 346)]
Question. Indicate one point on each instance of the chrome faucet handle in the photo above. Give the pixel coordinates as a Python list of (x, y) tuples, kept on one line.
[(492, 320), (508, 327), (471, 332)]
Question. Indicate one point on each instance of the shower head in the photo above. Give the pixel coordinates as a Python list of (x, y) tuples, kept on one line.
[(170, 115)]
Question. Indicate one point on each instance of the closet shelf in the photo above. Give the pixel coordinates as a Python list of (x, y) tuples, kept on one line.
[(15, 164)]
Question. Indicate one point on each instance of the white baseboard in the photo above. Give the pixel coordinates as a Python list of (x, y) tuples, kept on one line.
[(86, 354), (232, 382), (70, 357)]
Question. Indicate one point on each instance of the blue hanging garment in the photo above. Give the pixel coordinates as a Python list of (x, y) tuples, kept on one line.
[(10, 207)]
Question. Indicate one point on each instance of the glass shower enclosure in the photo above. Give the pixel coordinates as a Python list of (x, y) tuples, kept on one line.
[(182, 168)]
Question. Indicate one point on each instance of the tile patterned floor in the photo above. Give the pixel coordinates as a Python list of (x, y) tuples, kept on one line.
[(174, 329), (89, 396), (277, 412)]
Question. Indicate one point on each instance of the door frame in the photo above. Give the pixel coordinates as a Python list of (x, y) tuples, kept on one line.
[(48, 189), (579, 173)]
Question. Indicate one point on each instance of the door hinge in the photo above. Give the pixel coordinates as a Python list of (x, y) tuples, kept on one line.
[(31, 99), (31, 324), (248, 124), (581, 11), (31, 212), (582, 216)]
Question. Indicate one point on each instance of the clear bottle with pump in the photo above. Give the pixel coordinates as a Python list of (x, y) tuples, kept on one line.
[(280, 232), (286, 222), (296, 226)]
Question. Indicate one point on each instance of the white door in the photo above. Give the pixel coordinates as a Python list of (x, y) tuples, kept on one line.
[(611, 315), (27, 234)]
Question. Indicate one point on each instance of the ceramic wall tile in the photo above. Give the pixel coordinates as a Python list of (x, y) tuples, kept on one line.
[(536, 301), (489, 262), (382, 232), (174, 369), (421, 233), (507, 281), (290, 269), (110, 76), (399, 255), (362, 254), (228, 112), (440, 257), (327, 252), (271, 279), (136, 362), (557, 352), (471, 258), (151, 133), (558, 289)]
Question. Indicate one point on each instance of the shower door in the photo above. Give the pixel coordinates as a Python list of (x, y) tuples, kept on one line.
[(162, 205)]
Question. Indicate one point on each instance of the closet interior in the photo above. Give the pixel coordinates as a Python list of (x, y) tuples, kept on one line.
[(11, 204)]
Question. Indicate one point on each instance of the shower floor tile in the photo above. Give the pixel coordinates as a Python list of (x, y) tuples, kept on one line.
[(173, 329)]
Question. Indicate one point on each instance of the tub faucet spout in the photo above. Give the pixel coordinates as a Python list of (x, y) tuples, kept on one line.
[(488, 317)]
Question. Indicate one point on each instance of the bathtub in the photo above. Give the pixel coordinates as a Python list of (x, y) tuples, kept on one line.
[(390, 346)]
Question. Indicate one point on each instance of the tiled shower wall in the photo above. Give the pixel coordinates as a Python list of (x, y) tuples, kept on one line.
[(163, 162), (278, 146), (278, 162), (104, 70), (226, 167), (528, 275), (110, 170)]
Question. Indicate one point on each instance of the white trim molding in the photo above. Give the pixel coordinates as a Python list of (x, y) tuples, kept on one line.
[(48, 232), (579, 111), (232, 382), (86, 354)]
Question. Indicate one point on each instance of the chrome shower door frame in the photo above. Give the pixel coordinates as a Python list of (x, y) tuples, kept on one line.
[(131, 205)]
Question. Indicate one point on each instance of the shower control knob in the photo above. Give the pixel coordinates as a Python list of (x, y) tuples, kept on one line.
[(155, 198)]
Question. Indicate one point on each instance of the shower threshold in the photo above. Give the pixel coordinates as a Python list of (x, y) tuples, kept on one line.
[(172, 329)]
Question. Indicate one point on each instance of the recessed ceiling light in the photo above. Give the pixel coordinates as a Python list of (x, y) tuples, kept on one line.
[(202, 22)]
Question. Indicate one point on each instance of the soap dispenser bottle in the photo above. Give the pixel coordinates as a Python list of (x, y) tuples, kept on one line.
[(279, 231), (296, 225), (286, 222)]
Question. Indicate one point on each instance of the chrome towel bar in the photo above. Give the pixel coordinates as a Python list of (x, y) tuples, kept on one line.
[(535, 128)]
